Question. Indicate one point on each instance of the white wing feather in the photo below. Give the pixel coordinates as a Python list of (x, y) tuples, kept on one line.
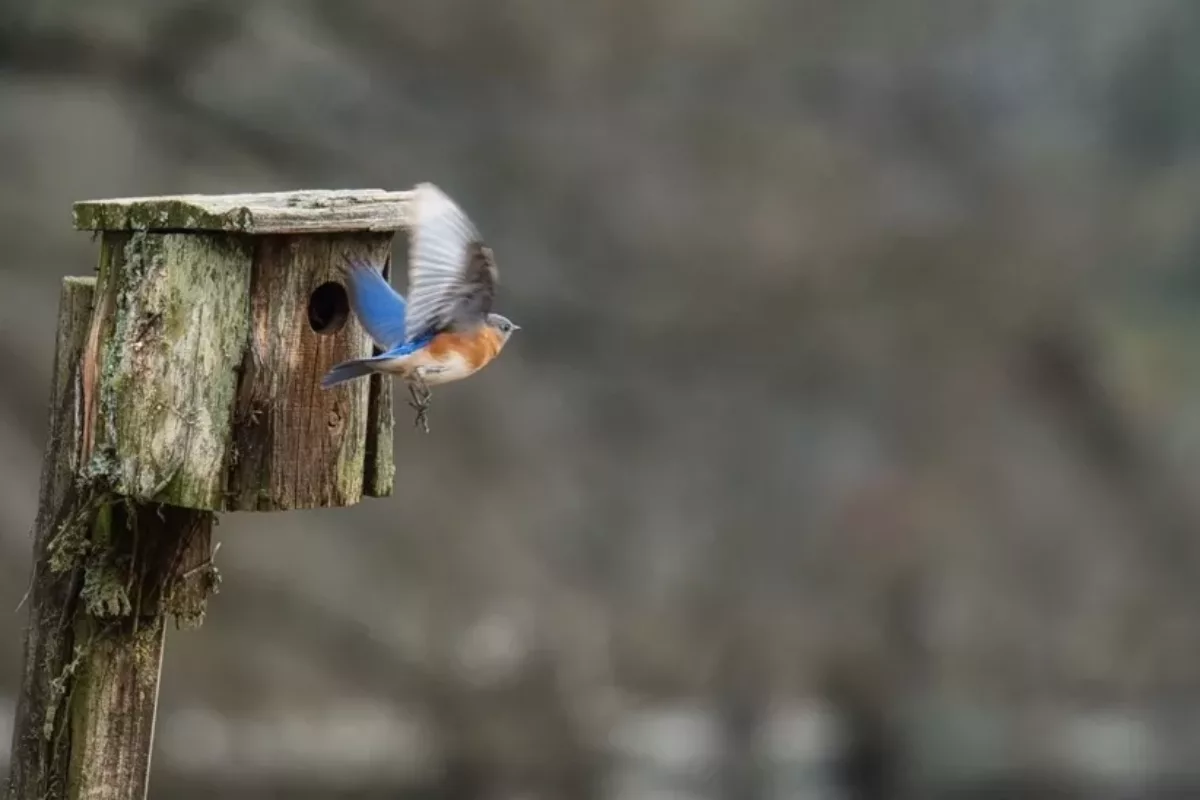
[(439, 252)]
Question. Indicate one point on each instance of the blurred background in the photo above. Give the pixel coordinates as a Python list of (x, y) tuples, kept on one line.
[(848, 449)]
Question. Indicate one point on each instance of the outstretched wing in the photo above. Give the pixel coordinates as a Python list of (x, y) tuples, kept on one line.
[(451, 274), (477, 288), (378, 307)]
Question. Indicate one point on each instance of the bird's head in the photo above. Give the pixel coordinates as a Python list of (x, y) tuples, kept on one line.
[(503, 326)]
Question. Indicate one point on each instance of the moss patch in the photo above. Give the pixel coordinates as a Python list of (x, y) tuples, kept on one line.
[(159, 214), (169, 364)]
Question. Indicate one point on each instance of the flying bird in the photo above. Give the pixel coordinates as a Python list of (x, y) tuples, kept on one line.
[(446, 330)]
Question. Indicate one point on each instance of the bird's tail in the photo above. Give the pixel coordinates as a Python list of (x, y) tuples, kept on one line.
[(347, 371)]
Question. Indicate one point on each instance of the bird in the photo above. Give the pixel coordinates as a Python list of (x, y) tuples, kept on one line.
[(446, 330)]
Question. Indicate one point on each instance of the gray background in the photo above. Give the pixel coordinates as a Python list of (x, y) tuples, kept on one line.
[(848, 446)]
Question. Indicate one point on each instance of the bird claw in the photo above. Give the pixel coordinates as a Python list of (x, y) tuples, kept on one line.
[(421, 419), (420, 395)]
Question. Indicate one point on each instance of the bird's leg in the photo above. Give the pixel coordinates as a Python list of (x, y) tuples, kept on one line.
[(419, 393)]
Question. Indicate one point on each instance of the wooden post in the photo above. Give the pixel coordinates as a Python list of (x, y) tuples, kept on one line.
[(186, 382), (37, 753)]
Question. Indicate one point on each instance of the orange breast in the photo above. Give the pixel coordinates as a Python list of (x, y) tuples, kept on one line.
[(475, 347)]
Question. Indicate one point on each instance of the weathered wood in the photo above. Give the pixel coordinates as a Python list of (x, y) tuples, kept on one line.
[(207, 366), (145, 563), (295, 444), (318, 211), (107, 572), (379, 472), (48, 639), (169, 340), (186, 381)]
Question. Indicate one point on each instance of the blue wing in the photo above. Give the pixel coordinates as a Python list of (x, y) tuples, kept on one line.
[(378, 307)]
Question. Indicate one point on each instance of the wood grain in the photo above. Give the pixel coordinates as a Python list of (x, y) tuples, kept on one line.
[(295, 444), (312, 211), (204, 374), (186, 381), (148, 563), (379, 472), (107, 573), (49, 639)]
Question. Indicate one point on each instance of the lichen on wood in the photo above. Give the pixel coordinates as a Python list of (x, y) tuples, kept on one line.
[(135, 576), (107, 573), (134, 573), (186, 381), (207, 374), (168, 356)]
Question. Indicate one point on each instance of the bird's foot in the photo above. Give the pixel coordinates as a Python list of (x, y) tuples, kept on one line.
[(419, 393)]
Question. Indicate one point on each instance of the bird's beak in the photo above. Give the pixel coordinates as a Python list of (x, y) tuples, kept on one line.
[(516, 327)]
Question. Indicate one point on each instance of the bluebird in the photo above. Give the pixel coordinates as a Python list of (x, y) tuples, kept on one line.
[(446, 330)]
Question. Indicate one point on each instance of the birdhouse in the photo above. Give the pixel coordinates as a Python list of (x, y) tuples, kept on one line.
[(215, 319)]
